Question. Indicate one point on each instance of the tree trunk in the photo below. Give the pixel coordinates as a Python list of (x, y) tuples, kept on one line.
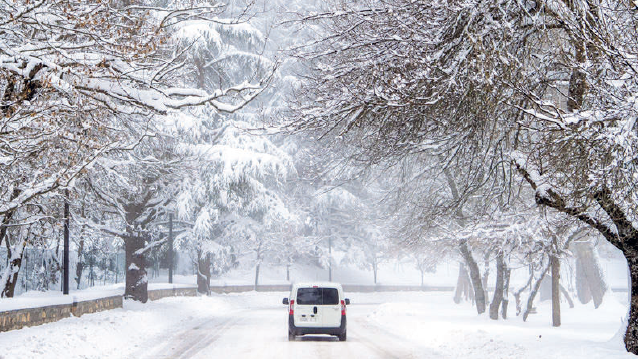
[(375, 269), (257, 275), (555, 264), (10, 276), (506, 289), (203, 273), (136, 278), (590, 282), (80, 266), (631, 335), (577, 81), (288, 273), (486, 276), (463, 286), (566, 295), (532, 294), (498, 290), (460, 284), (7, 218), (475, 277)]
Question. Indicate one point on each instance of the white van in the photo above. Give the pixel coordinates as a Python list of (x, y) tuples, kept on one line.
[(316, 308)]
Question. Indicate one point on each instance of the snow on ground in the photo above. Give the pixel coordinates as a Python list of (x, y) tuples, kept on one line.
[(458, 332), (380, 325)]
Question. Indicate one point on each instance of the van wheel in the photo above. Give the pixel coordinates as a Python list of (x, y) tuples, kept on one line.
[(291, 337), (342, 337)]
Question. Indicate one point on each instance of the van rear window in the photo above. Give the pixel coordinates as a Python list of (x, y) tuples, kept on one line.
[(317, 296), (330, 296)]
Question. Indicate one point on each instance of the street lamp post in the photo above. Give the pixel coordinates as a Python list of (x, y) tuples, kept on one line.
[(65, 287)]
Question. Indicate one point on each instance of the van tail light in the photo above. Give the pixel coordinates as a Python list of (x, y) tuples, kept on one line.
[(343, 307), (292, 311)]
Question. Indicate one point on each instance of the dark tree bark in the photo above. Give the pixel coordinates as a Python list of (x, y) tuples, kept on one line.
[(533, 292), (475, 276), (631, 335), (517, 294), (566, 295), (375, 269), (577, 81), (257, 275), (80, 266), (498, 290), (12, 270), (590, 282), (555, 266), (203, 273), (486, 276), (7, 218), (136, 278), (463, 286), (506, 289)]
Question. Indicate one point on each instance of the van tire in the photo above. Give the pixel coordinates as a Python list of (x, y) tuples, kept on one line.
[(342, 337), (291, 337)]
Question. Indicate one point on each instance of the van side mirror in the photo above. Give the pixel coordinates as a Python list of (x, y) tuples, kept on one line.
[(347, 301), (285, 301)]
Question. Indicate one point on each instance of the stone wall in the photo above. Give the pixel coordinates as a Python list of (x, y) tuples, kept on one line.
[(172, 292), (20, 318)]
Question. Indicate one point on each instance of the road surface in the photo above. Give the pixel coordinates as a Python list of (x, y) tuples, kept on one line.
[(260, 331), (380, 325)]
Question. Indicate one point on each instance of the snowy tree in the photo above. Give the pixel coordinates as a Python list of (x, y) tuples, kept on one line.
[(17, 239), (233, 197), (69, 69), (79, 80), (549, 85), (134, 188)]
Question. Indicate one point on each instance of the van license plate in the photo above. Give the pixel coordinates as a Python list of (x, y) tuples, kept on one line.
[(306, 319)]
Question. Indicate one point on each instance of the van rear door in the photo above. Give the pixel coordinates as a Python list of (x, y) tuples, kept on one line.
[(330, 308), (308, 307)]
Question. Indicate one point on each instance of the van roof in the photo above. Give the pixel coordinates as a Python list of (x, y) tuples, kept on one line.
[(317, 284)]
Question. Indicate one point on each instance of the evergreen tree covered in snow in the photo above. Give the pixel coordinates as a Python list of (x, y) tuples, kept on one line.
[(233, 197)]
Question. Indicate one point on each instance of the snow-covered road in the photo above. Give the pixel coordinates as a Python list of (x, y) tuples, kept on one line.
[(380, 325), (260, 332)]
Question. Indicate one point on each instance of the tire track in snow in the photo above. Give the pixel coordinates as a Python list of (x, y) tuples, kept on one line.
[(394, 346), (364, 339), (191, 341)]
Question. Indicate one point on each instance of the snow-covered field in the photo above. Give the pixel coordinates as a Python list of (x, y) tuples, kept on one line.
[(380, 325)]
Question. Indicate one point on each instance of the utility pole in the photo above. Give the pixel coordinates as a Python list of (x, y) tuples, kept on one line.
[(170, 248), (65, 288)]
